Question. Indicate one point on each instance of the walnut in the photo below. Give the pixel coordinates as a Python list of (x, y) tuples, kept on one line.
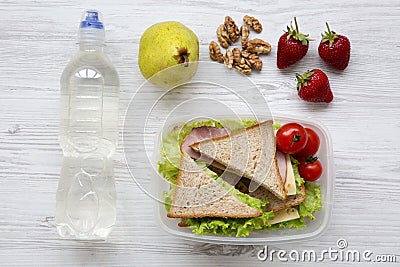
[(258, 46), (236, 55), (244, 32), (247, 59), (223, 36), (252, 60), (232, 29), (255, 63), (253, 23), (245, 53), (215, 52), (229, 58), (243, 67)]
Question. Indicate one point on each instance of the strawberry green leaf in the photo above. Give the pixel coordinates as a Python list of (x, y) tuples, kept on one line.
[(303, 79), (329, 36), (296, 34)]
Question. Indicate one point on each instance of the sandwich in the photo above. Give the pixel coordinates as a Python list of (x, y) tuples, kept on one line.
[(198, 195), (250, 153), (218, 192)]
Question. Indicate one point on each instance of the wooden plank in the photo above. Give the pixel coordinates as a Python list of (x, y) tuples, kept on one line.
[(38, 39)]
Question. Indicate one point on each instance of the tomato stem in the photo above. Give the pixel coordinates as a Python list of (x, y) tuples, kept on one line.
[(296, 138), (310, 159)]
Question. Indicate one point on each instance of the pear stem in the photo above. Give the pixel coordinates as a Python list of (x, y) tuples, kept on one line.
[(183, 56), (185, 60)]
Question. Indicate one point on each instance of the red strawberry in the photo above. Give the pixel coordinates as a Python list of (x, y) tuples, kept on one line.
[(334, 49), (313, 86), (292, 46)]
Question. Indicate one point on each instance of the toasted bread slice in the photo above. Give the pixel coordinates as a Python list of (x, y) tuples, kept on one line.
[(249, 153), (274, 203), (198, 195)]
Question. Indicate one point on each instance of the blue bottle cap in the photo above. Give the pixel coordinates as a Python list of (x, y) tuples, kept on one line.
[(91, 19)]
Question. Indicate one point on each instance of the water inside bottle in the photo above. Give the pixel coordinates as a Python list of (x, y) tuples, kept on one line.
[(88, 136), (86, 203)]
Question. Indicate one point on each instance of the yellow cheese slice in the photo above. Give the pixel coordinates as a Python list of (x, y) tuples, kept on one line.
[(290, 183), (285, 215)]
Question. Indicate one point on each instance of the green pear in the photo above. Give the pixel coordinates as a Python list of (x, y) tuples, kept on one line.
[(168, 54)]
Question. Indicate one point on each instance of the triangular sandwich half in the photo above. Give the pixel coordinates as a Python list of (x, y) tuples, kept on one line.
[(249, 153), (197, 195)]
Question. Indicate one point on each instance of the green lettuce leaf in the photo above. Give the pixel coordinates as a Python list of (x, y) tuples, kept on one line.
[(298, 178), (227, 226), (247, 199), (167, 195), (171, 155), (237, 125), (312, 202), (276, 126)]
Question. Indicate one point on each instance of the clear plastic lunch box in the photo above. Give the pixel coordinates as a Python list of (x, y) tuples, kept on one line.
[(213, 93)]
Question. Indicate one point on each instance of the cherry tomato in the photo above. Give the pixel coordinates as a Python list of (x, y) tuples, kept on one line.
[(291, 138), (311, 147), (310, 169)]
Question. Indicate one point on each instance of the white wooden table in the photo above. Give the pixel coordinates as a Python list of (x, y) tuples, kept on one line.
[(37, 39)]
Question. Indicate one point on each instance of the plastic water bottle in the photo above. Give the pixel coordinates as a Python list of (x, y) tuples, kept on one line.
[(88, 136)]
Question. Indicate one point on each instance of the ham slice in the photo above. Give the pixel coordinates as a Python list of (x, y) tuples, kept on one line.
[(281, 159), (198, 135)]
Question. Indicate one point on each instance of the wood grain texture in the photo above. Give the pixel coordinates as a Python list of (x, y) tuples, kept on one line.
[(37, 40)]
